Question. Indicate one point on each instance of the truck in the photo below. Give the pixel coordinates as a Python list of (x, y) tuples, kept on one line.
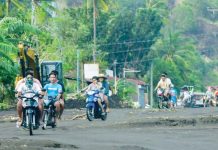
[(28, 58)]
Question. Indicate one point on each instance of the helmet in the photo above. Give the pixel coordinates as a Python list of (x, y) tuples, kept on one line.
[(95, 77)]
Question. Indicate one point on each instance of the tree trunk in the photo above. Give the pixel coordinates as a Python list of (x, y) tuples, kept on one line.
[(94, 30), (8, 2)]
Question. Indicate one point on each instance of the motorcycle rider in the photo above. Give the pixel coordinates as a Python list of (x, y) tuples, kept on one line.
[(22, 88), (164, 84), (95, 85), (105, 89), (208, 96), (23, 80), (53, 89), (62, 95)]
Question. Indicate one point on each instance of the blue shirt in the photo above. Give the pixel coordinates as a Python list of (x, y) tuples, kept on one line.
[(53, 89)]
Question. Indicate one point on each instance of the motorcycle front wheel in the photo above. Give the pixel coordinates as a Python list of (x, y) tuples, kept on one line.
[(45, 119), (90, 113), (30, 118)]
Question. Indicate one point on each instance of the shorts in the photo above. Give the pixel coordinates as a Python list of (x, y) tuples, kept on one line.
[(173, 99)]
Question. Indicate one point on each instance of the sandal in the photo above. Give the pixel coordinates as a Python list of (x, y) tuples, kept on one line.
[(18, 123)]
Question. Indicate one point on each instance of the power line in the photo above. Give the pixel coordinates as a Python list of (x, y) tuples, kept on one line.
[(126, 62), (127, 42), (131, 50)]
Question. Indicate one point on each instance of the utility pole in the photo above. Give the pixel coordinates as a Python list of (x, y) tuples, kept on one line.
[(7, 7), (151, 86), (33, 17), (78, 72), (94, 30), (115, 77)]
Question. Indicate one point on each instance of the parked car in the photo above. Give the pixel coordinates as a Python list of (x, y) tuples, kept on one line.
[(196, 100)]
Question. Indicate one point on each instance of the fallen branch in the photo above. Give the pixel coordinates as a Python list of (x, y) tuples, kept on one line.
[(79, 116)]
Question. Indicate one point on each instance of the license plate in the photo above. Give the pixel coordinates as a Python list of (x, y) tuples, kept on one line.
[(200, 102)]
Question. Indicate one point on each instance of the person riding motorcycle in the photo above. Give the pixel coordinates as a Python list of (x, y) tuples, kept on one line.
[(21, 89), (105, 89), (209, 96), (62, 95), (54, 90), (164, 84), (23, 80), (95, 85)]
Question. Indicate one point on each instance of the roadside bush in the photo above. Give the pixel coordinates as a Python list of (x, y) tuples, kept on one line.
[(4, 106), (125, 92)]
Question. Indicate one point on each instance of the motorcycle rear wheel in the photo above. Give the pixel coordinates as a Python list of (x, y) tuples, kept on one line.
[(104, 117)]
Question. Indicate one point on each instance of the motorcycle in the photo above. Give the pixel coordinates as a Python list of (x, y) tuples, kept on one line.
[(93, 110), (49, 113), (163, 101), (30, 111)]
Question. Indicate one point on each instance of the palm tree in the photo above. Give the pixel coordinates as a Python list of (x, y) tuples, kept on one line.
[(101, 4)]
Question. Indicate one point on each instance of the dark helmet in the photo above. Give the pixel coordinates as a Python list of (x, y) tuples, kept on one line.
[(95, 77)]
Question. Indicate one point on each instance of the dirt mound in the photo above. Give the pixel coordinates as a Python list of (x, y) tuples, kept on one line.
[(78, 103)]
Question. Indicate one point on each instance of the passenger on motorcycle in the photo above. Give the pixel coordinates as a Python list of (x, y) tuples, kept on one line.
[(173, 96), (105, 89), (95, 85), (53, 89), (62, 95), (22, 88), (164, 84)]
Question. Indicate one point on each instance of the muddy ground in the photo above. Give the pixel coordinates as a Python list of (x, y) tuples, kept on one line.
[(124, 129)]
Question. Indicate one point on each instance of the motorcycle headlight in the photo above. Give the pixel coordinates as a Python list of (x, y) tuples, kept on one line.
[(29, 95), (46, 102)]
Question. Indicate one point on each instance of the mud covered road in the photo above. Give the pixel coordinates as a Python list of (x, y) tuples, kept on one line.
[(125, 129)]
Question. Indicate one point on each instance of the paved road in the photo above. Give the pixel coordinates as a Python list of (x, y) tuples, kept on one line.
[(125, 129)]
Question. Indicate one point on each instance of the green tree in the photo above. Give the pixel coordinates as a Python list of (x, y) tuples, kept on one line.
[(177, 55), (12, 31)]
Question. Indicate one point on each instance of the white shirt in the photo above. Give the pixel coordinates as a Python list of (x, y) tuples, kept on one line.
[(19, 83), (164, 84), (23, 88)]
